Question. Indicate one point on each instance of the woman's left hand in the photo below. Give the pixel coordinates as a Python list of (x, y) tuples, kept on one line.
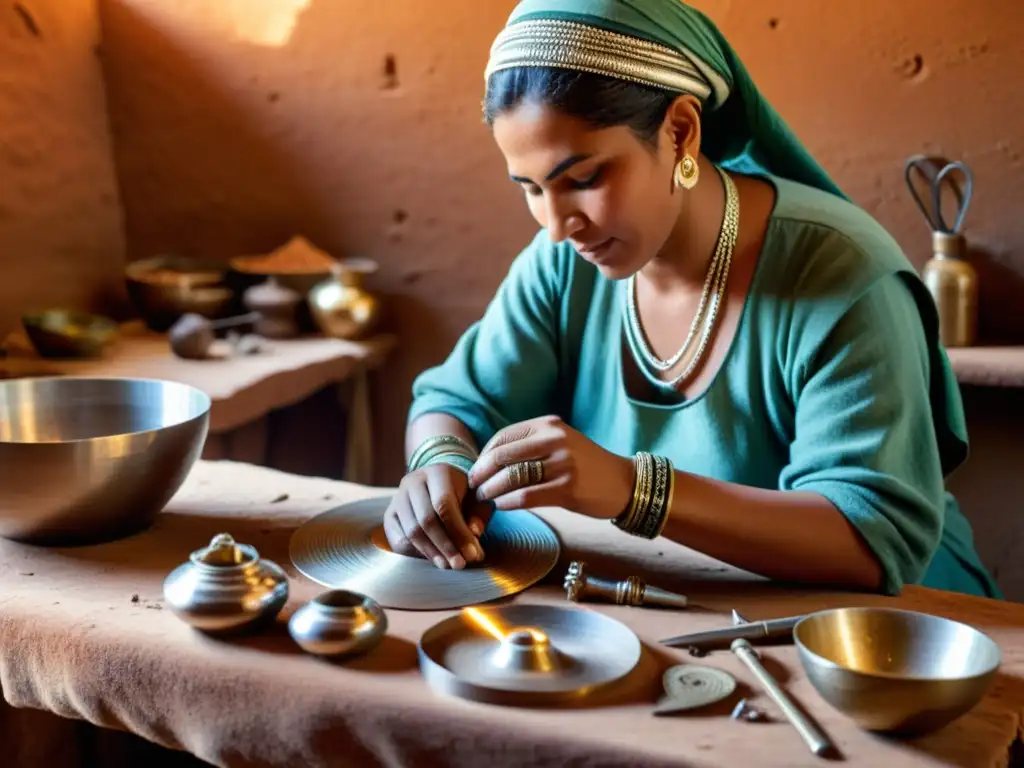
[(544, 462)]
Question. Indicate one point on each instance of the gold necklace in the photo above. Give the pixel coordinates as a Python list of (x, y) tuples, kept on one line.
[(707, 310)]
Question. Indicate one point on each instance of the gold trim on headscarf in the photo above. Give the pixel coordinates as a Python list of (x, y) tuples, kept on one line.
[(581, 47)]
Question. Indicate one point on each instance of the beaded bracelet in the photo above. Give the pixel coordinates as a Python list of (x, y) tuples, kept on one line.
[(651, 501), (437, 446)]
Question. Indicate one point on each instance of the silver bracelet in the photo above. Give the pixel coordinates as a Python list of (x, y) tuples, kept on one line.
[(438, 445), (457, 460)]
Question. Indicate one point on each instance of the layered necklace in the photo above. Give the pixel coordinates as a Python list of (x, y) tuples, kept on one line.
[(707, 310)]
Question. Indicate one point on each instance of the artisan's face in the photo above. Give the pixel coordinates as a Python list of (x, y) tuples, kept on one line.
[(604, 191)]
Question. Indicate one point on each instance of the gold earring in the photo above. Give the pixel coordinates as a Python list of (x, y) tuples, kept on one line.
[(686, 173)]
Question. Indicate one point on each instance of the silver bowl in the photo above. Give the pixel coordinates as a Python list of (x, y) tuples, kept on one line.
[(85, 460), (895, 671)]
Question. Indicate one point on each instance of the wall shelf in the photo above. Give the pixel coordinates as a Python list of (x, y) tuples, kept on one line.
[(988, 366)]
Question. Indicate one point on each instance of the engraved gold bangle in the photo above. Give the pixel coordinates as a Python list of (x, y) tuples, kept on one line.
[(638, 504), (648, 527), (668, 503), (649, 507)]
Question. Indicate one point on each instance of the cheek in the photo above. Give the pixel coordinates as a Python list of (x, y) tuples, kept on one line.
[(617, 209), (537, 208), (602, 208)]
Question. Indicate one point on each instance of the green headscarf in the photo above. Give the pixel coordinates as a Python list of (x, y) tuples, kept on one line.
[(741, 131)]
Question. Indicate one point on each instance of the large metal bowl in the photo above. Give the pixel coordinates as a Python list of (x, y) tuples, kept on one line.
[(85, 460), (895, 671)]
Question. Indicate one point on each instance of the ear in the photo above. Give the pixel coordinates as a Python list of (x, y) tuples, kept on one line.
[(682, 126)]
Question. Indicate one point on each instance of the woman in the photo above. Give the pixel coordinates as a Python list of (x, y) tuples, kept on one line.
[(706, 341)]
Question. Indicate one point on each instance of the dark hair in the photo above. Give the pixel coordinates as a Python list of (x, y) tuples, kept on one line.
[(598, 100)]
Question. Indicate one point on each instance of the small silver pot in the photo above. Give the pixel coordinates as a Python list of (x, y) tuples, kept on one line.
[(226, 588), (338, 623)]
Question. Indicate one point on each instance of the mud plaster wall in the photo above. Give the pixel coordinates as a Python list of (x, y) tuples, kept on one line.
[(61, 238), (357, 122)]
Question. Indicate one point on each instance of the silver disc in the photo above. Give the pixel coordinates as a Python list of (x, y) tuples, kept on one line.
[(689, 687), (461, 655), (345, 548)]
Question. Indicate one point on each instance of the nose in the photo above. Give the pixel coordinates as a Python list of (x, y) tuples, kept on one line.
[(562, 223)]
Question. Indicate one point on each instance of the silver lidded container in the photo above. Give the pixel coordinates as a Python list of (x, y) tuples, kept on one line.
[(338, 623), (226, 587)]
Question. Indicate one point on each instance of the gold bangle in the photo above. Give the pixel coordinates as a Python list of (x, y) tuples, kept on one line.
[(648, 527), (640, 500), (670, 499), (643, 506), (653, 488), (436, 441)]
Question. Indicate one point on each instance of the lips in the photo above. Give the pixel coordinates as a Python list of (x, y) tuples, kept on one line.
[(593, 251)]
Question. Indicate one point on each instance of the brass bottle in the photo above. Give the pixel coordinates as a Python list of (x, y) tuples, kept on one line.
[(953, 283)]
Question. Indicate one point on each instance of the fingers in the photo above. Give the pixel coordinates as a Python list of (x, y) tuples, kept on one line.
[(478, 516), (447, 506), (395, 533), (518, 475), (413, 531), (493, 459), (429, 523), (549, 494)]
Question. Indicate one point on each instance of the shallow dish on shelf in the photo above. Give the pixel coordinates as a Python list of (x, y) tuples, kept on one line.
[(66, 333)]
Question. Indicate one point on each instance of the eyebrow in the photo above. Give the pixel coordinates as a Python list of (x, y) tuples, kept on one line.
[(557, 171)]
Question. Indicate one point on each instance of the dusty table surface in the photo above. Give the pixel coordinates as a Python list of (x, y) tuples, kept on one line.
[(84, 634), (242, 389)]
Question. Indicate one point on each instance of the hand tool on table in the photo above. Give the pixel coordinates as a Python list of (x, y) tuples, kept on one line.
[(816, 740), (753, 630), (580, 585)]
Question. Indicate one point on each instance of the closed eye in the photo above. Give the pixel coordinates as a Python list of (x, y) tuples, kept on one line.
[(587, 183)]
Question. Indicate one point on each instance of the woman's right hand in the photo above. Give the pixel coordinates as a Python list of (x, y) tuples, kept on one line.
[(425, 517)]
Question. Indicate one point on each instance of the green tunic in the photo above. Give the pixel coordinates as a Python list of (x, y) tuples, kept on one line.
[(834, 382)]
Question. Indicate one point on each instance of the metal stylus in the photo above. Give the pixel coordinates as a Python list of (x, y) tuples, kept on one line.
[(753, 630)]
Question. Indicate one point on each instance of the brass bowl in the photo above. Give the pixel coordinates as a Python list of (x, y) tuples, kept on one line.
[(85, 460), (896, 671), (165, 288), (65, 333)]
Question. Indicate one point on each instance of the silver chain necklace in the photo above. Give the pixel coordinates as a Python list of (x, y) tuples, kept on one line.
[(707, 309)]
